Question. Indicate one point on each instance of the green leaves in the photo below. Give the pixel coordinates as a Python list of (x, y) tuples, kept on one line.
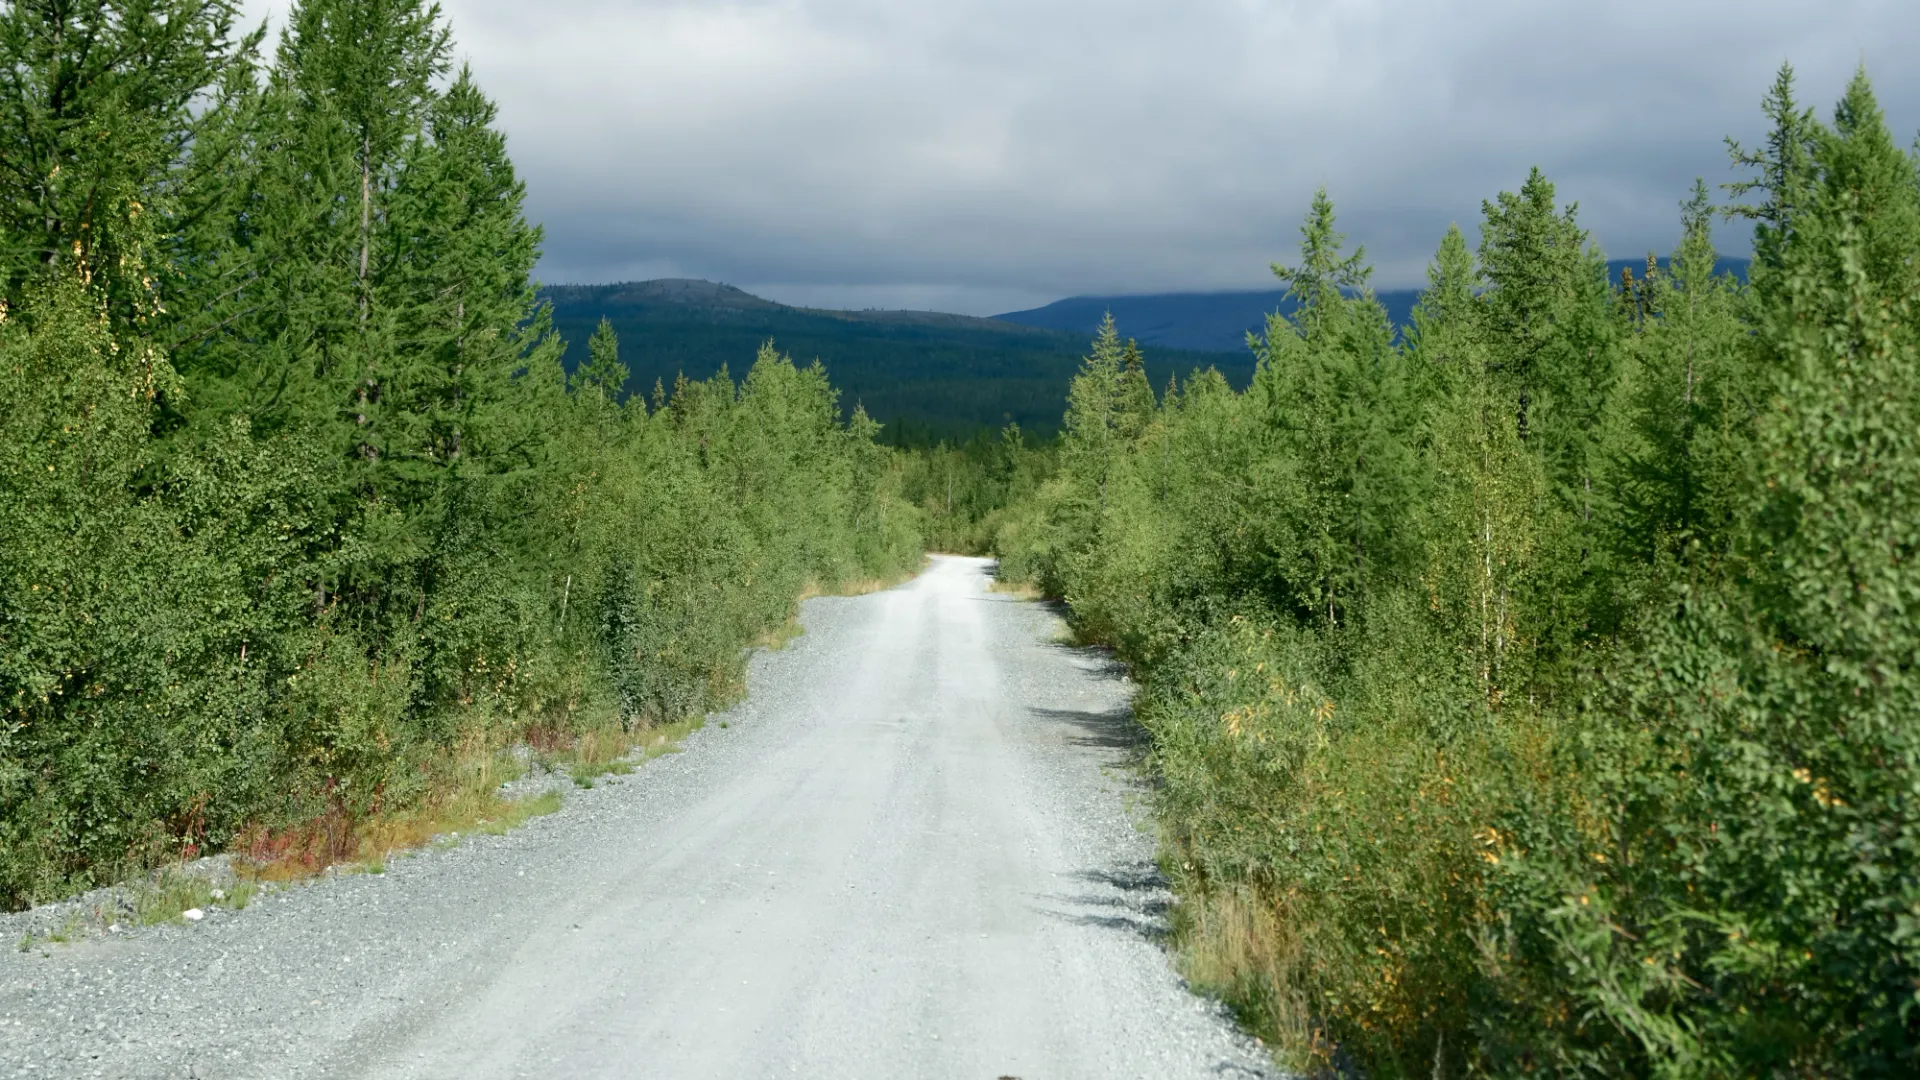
[(1544, 678), (364, 524)]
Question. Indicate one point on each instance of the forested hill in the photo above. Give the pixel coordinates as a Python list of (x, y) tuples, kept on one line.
[(1220, 321), (922, 373)]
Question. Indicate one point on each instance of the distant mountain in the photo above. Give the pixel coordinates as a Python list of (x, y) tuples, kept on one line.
[(926, 374), (1220, 321), (1203, 322)]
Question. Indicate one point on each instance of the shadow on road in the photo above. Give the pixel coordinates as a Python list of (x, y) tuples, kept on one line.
[(1133, 899), (1111, 729)]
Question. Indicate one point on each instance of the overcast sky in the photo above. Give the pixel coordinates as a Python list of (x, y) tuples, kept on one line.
[(986, 155)]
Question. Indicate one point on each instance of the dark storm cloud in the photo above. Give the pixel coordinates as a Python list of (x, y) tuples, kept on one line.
[(985, 154)]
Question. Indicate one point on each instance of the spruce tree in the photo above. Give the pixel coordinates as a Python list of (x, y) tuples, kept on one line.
[(1481, 524), (1786, 177), (1092, 420), (1134, 404), (1332, 392), (603, 373), (456, 280), (1551, 330), (1690, 401)]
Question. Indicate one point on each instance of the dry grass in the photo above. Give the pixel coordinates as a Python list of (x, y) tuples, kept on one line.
[(164, 895), (863, 586), (1236, 946), (465, 797), (619, 753), (1019, 590), (781, 636)]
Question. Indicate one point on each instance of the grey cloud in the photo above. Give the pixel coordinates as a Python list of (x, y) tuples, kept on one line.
[(975, 154)]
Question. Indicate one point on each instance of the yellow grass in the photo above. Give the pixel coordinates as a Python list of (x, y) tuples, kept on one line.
[(1019, 590), (1237, 946)]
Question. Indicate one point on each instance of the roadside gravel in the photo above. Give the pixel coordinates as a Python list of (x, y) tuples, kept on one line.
[(910, 852)]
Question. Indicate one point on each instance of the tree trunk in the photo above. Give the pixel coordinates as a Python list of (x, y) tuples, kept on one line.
[(366, 216)]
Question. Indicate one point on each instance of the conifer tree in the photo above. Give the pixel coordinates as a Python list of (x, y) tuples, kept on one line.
[(1769, 806), (1786, 177), (101, 104), (374, 62), (1481, 528), (1691, 399), (457, 281), (1332, 391), (1134, 403), (1550, 322), (1092, 420), (604, 373)]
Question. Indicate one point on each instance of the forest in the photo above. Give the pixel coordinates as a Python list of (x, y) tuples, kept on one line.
[(303, 524), (926, 377), (1534, 691), (1530, 689)]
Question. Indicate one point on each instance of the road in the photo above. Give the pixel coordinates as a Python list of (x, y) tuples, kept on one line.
[(913, 851)]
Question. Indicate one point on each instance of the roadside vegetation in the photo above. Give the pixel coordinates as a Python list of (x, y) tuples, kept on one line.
[(1532, 692), (303, 525), (966, 491)]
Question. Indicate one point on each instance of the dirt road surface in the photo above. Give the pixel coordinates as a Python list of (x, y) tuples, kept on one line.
[(913, 851)]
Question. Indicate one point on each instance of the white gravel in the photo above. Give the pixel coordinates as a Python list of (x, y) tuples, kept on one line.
[(910, 853)]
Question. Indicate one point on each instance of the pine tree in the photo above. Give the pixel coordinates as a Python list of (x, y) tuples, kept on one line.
[(1092, 419), (1444, 319), (457, 282), (1691, 401), (1551, 324), (1787, 176), (1772, 796), (374, 62), (288, 329)]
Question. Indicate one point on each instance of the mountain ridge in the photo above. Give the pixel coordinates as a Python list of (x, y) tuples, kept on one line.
[(926, 375), (1219, 321)]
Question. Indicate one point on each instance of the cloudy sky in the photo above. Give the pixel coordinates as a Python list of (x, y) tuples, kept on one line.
[(985, 155)]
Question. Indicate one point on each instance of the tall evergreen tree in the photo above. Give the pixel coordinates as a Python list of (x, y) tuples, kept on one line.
[(1786, 177), (101, 105), (603, 373), (1332, 390), (1134, 404), (1691, 401), (1551, 331), (1092, 420), (456, 280), (1480, 529)]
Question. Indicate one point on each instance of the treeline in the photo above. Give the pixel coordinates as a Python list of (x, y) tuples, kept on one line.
[(296, 501), (969, 492), (1535, 692)]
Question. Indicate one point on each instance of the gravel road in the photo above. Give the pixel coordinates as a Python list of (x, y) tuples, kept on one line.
[(910, 853)]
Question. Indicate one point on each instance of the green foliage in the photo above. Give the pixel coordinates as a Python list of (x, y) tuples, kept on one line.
[(968, 493), (296, 505), (1533, 695), (102, 106)]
